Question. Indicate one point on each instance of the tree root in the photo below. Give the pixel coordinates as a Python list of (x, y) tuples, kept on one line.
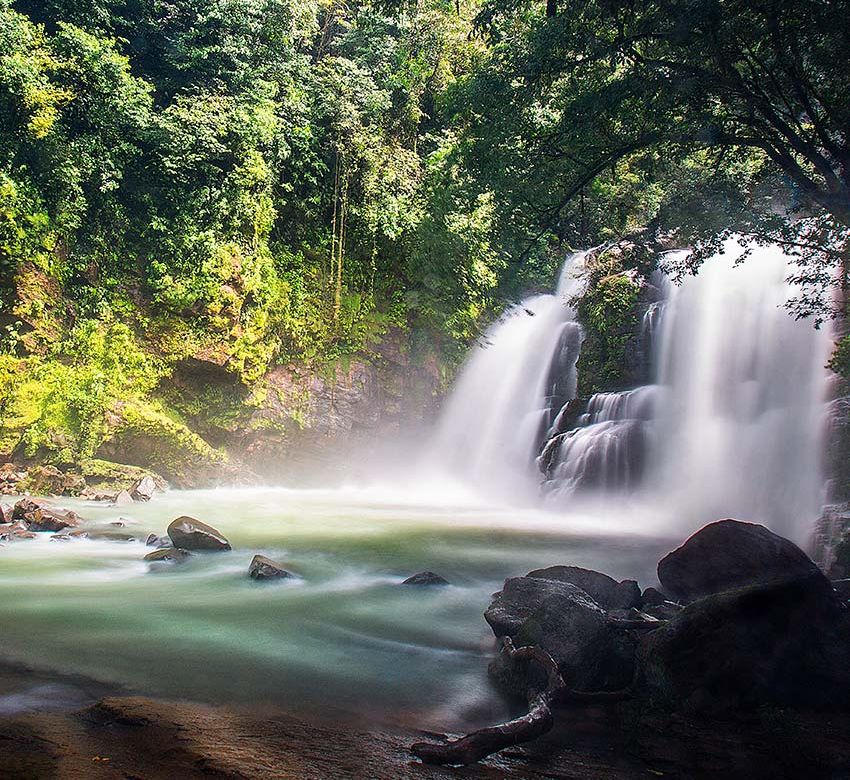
[(480, 744), (539, 719)]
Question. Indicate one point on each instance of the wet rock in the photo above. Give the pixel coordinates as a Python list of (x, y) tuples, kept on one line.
[(785, 643), (574, 630), (519, 599), (40, 517), (167, 555), (191, 534), (101, 497), (652, 597), (5, 514), (158, 541), (263, 568), (605, 590), (143, 489), (730, 554), (426, 578), (123, 499)]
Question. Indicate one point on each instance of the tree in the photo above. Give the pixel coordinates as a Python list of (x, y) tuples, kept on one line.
[(583, 90)]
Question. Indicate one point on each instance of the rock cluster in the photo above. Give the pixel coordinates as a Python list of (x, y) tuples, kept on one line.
[(30, 516), (107, 482), (743, 618)]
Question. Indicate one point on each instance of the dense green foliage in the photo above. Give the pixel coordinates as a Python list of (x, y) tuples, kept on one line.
[(263, 182)]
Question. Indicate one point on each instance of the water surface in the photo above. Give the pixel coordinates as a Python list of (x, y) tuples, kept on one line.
[(346, 638)]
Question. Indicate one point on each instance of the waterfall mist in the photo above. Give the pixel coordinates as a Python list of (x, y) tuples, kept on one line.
[(729, 423)]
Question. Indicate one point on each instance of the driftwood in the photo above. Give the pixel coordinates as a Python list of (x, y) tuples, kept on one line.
[(539, 719), (480, 744)]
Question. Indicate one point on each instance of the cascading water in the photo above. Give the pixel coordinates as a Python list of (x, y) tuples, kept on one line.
[(729, 426), (491, 428), (732, 425)]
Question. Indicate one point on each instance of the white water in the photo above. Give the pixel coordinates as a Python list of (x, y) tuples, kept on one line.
[(731, 425), (490, 428)]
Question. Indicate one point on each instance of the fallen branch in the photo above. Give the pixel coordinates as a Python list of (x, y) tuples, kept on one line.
[(482, 743)]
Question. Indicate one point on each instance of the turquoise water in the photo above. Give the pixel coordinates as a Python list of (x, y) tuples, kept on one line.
[(345, 638)]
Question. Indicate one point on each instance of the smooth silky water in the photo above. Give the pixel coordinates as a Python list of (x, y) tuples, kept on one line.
[(346, 639), (730, 427)]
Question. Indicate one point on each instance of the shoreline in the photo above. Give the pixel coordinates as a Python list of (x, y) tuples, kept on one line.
[(126, 736)]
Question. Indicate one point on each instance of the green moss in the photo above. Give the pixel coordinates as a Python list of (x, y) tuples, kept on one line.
[(608, 313), (144, 434)]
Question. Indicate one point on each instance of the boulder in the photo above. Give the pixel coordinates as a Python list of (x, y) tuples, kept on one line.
[(426, 578), (123, 499), (143, 489), (605, 590), (263, 568), (40, 517), (784, 643), (45, 481), (158, 541), (5, 514), (167, 555), (730, 554), (591, 653), (191, 534), (519, 599), (652, 597)]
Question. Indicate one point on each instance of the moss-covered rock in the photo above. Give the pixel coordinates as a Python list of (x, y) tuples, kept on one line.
[(146, 435), (103, 476), (609, 313)]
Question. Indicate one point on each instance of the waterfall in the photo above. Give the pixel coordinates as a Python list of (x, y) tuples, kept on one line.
[(731, 426), (729, 422), (512, 384)]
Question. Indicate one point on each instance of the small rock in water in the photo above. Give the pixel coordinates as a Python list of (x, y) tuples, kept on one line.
[(123, 498), (5, 514), (263, 568), (158, 541), (426, 578), (143, 489), (191, 534), (167, 554)]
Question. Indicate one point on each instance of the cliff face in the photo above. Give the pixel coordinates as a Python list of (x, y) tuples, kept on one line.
[(302, 421)]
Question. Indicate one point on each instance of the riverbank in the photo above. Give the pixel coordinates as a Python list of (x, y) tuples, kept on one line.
[(137, 737)]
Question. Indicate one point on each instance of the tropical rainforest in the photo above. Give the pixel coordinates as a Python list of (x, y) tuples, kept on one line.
[(273, 182)]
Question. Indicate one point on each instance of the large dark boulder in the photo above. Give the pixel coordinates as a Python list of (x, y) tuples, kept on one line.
[(785, 643), (188, 533), (591, 654), (520, 598), (730, 554), (603, 589)]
